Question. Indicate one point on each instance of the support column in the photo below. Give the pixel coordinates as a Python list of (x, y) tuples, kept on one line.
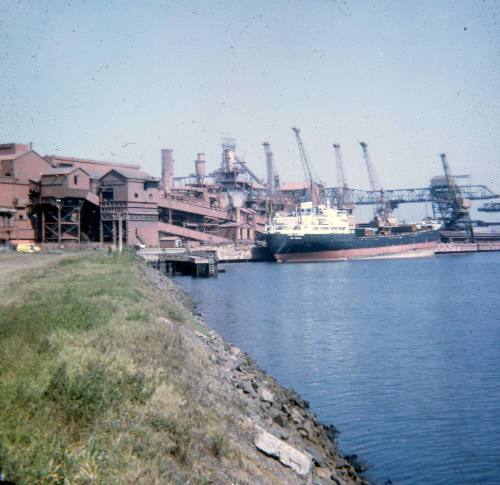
[(43, 225), (120, 233), (78, 228), (113, 222), (59, 224)]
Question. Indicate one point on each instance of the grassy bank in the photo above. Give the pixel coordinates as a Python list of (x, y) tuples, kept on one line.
[(95, 383)]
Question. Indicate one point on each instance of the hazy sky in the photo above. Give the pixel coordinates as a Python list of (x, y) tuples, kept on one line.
[(119, 80)]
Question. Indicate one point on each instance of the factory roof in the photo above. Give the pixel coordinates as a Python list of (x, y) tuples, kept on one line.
[(132, 174), (62, 171), (95, 168)]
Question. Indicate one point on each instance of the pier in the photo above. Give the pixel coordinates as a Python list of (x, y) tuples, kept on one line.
[(477, 247), (174, 261)]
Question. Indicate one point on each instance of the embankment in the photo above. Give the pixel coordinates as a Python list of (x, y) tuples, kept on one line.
[(106, 376)]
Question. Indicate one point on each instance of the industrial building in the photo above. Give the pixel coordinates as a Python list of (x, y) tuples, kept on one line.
[(68, 200)]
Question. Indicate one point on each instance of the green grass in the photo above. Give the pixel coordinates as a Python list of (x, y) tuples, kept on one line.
[(93, 389)]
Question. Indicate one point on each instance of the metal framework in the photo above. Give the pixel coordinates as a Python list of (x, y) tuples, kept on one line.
[(114, 223), (449, 204), (383, 205), (405, 196), (343, 201), (307, 167), (61, 220)]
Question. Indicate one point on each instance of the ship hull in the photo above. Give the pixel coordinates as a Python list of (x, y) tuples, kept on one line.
[(332, 247)]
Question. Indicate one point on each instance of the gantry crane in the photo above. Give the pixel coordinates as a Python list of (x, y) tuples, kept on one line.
[(307, 169), (448, 203), (383, 208)]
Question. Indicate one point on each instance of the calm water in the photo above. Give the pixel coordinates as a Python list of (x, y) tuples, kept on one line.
[(403, 356)]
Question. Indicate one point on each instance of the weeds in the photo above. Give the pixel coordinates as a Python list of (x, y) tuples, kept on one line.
[(81, 358), (89, 392)]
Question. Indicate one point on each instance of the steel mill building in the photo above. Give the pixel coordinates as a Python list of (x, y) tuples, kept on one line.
[(61, 200)]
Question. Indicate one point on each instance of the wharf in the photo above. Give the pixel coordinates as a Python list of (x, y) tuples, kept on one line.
[(179, 261), (478, 247)]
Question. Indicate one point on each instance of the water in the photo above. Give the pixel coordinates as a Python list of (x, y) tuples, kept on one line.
[(403, 356)]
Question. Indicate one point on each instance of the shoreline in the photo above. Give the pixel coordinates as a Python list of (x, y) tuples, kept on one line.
[(280, 413)]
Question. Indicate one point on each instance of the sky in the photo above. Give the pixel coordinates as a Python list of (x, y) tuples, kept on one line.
[(119, 80)]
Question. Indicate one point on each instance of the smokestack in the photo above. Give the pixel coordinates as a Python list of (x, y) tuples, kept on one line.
[(167, 169), (199, 168), (229, 158), (270, 169)]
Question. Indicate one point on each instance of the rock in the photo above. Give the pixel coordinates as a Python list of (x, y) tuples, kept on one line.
[(266, 395), (331, 432), (308, 428), (286, 454), (318, 458), (296, 416), (234, 351), (278, 417), (246, 387), (323, 472)]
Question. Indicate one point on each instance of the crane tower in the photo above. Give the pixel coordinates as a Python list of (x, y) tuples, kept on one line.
[(383, 208), (307, 169)]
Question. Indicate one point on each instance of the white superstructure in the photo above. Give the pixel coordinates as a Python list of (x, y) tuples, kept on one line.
[(310, 220)]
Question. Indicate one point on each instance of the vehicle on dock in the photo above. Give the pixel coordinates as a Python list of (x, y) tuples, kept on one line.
[(321, 233), (28, 248)]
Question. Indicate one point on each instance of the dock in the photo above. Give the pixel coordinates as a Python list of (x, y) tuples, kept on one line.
[(175, 261), (477, 247)]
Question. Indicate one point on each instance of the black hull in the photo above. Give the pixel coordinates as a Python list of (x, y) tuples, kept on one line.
[(321, 247)]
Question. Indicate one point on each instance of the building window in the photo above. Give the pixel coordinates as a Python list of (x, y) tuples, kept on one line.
[(75, 179), (107, 194)]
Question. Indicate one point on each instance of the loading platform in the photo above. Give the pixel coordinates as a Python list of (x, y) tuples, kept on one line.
[(477, 247), (174, 261)]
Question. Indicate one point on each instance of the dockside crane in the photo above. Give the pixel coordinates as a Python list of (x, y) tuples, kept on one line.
[(448, 202), (344, 195), (307, 169), (383, 208)]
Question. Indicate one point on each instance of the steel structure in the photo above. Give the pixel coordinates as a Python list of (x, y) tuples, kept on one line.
[(344, 200), (448, 202), (307, 168), (383, 206), (405, 196)]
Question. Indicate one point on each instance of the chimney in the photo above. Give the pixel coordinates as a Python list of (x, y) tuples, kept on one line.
[(199, 167), (229, 159), (167, 169)]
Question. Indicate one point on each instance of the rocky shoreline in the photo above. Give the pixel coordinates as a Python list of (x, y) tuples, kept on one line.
[(273, 422)]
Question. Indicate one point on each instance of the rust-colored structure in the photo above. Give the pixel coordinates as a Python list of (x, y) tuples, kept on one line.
[(71, 200)]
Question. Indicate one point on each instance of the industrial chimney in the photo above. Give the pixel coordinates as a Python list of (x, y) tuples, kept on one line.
[(167, 169), (199, 167), (229, 159), (270, 170)]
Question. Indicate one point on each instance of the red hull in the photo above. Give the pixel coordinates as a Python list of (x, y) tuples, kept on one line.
[(352, 253)]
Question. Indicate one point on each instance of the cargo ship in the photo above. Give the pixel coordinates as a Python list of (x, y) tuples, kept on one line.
[(320, 233)]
